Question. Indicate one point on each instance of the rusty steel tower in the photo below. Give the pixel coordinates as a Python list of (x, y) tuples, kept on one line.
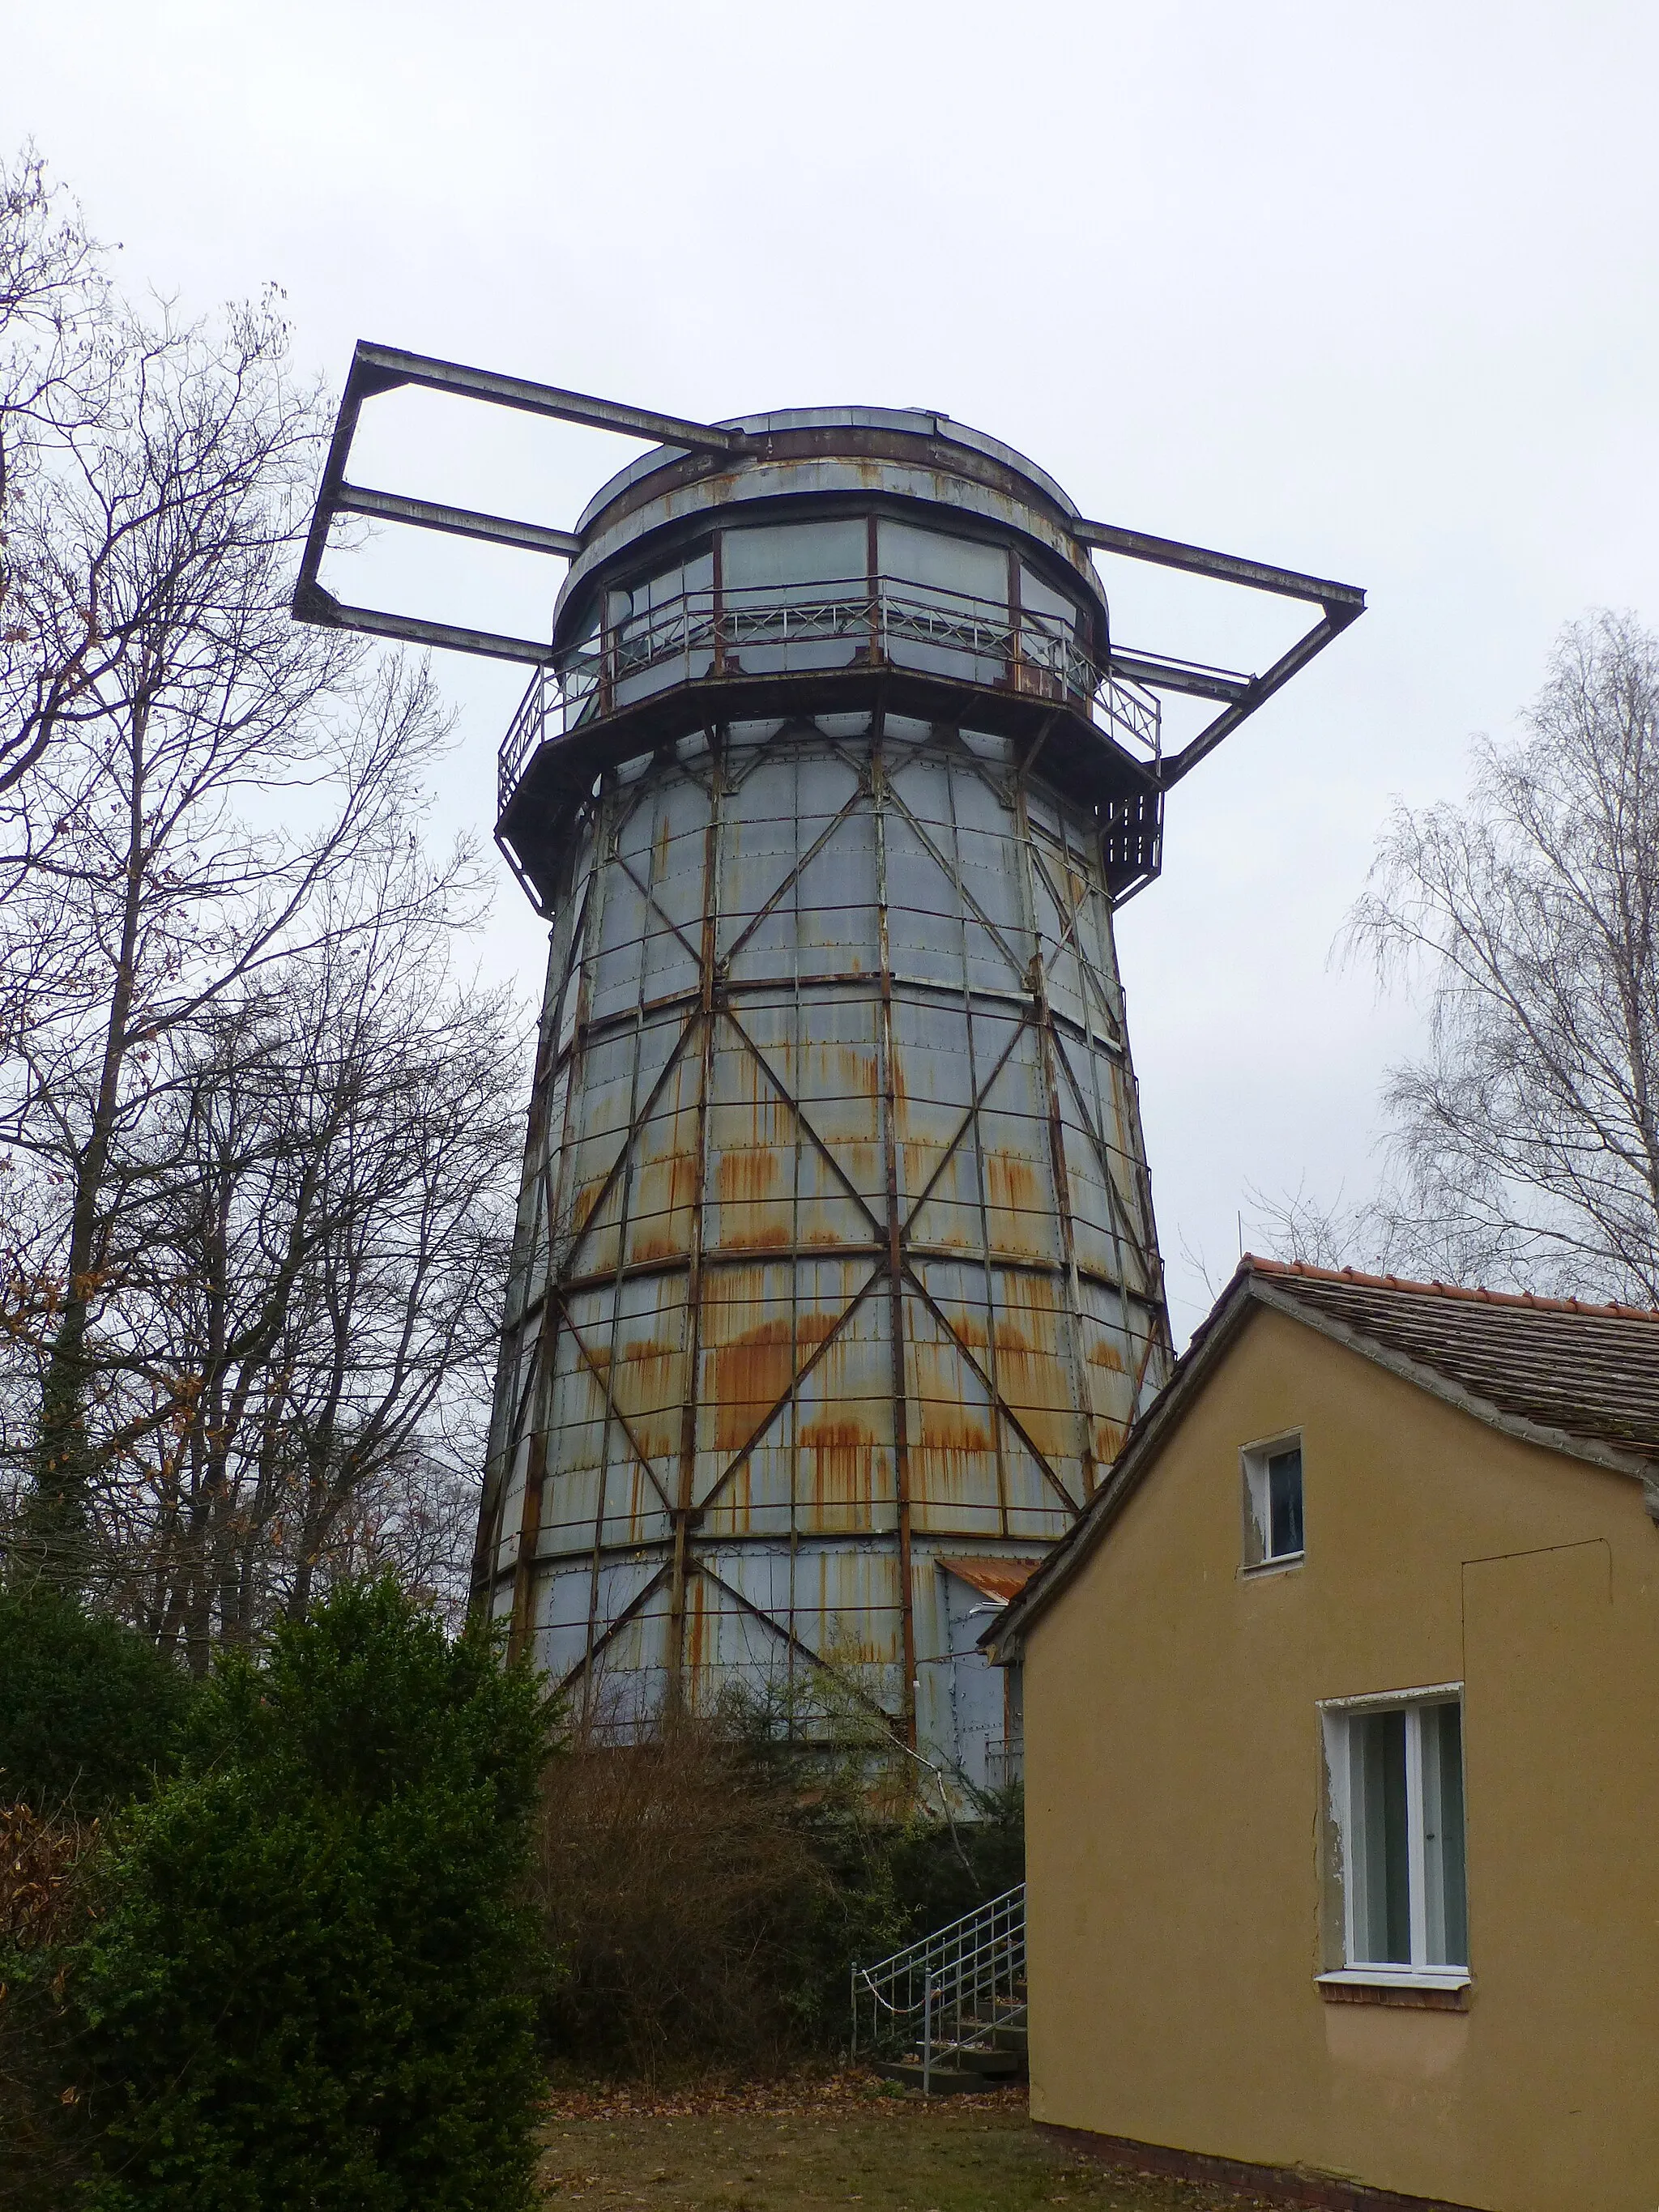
[(835, 1285)]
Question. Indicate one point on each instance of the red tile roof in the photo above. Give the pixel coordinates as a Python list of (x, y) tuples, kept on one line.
[(1576, 1377), (1589, 1371)]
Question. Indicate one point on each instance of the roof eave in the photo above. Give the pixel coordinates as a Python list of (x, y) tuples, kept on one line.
[(1598, 1452), (1004, 1640)]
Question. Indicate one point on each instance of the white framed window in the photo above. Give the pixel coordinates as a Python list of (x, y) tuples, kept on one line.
[(1272, 1502), (1395, 1770)]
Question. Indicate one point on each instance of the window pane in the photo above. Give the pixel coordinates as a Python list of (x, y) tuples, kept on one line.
[(1442, 1836), (1380, 1866), (661, 628), (818, 568), (795, 559), (954, 564), (1285, 1504), (1258, 1539), (1040, 597)]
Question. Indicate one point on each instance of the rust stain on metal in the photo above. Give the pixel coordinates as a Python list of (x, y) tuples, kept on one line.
[(1014, 1196), (641, 1502), (647, 1380), (998, 1579), (759, 1235), (949, 1435), (839, 1460), (752, 1372), (753, 1173), (1109, 1439), (855, 1321), (733, 1508), (667, 1190), (659, 1245), (581, 1205)]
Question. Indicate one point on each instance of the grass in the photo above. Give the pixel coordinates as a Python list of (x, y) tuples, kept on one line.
[(842, 2141)]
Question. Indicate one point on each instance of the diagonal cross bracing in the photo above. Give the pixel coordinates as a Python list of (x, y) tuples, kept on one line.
[(811, 1135), (964, 1352), (970, 1121), (630, 1137), (602, 1379), (820, 1351), (953, 876), (795, 874), (694, 1265)]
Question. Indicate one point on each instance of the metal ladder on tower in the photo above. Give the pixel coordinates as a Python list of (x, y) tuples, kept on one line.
[(948, 2013)]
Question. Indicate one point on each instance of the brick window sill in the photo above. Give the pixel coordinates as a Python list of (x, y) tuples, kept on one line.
[(1418, 1996)]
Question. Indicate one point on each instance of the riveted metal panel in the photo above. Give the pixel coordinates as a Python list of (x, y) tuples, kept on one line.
[(838, 1000)]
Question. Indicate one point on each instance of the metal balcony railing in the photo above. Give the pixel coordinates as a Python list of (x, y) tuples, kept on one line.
[(784, 629), (948, 1993)]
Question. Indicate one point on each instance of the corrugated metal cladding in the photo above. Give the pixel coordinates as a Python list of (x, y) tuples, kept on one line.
[(835, 1258)]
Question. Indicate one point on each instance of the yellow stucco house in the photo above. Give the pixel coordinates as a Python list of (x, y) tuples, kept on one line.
[(1341, 1714)]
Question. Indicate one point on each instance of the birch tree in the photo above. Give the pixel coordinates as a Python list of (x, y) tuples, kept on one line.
[(1524, 1140)]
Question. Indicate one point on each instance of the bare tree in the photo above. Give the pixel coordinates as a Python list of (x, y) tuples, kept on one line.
[(213, 813), (257, 1142), (1525, 1141), (47, 262), (1378, 1233), (157, 894), (63, 367), (292, 1379)]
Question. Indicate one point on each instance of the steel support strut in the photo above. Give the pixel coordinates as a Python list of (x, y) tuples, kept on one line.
[(685, 1503), (1339, 605), (895, 1261), (380, 368)]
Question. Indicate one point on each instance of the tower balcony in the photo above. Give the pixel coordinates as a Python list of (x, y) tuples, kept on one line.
[(702, 655)]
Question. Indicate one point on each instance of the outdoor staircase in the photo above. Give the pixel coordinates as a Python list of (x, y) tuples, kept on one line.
[(948, 2013)]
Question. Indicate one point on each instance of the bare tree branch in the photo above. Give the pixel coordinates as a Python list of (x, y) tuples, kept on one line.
[(1525, 1141), (253, 1141)]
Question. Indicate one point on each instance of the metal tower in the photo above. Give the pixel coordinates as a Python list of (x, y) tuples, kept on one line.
[(836, 1285)]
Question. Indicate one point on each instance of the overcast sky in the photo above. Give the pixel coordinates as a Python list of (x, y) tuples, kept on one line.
[(1370, 291)]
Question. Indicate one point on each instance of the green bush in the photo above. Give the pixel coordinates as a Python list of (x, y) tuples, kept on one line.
[(90, 1710), (313, 1982)]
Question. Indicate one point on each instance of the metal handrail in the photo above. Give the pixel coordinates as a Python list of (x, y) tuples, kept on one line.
[(1034, 653), (951, 1990), (1005, 1761)]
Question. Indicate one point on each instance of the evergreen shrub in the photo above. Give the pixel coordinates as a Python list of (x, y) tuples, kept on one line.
[(44, 2154), (90, 1711), (312, 1979)]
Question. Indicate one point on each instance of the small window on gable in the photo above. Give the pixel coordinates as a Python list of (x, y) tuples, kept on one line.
[(1273, 1502)]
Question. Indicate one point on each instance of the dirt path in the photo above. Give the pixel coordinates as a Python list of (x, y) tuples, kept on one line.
[(835, 2141)]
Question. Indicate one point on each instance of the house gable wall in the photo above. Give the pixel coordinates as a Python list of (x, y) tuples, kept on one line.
[(1175, 1788)]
